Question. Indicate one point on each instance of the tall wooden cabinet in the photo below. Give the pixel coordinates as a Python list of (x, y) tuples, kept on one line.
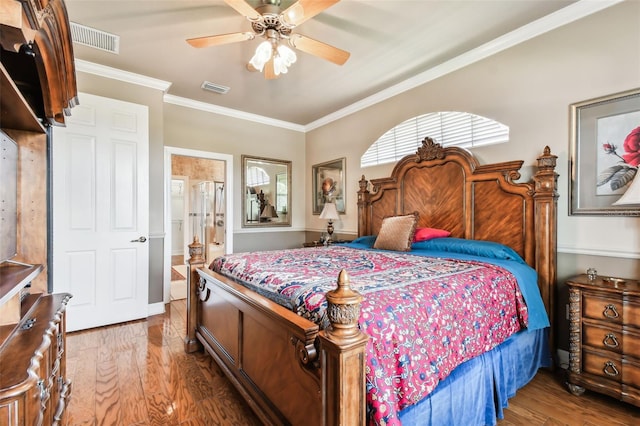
[(37, 90)]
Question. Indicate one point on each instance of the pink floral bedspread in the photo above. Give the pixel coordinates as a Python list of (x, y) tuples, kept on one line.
[(424, 315)]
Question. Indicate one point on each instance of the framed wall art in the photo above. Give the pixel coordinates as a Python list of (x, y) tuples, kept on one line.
[(328, 185), (605, 155)]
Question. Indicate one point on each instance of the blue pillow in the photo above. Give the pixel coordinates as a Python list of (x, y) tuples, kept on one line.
[(488, 249), (363, 242)]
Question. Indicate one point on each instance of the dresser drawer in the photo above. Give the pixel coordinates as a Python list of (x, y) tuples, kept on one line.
[(602, 308), (607, 338), (604, 364), (631, 372), (632, 316), (631, 346)]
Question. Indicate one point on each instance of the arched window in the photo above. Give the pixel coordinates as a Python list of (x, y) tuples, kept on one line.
[(257, 176), (448, 128)]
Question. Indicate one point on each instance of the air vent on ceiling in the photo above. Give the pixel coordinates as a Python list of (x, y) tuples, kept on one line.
[(213, 87), (95, 38)]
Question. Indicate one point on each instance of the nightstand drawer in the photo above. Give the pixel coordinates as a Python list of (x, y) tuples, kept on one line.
[(631, 345), (603, 364), (602, 308), (632, 316), (609, 338), (631, 373)]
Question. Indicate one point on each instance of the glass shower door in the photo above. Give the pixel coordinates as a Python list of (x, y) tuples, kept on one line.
[(207, 216)]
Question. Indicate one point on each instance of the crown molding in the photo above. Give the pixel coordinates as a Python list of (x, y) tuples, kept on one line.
[(117, 74), (543, 25), (229, 112)]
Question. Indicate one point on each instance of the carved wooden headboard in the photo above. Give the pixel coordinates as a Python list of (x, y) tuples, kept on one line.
[(451, 190)]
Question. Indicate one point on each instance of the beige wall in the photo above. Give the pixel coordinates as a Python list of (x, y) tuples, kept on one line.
[(198, 130), (529, 88)]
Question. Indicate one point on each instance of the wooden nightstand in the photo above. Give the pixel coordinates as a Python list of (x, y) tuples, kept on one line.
[(313, 244), (604, 337), (319, 244)]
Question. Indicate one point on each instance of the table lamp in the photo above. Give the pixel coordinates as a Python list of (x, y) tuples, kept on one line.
[(330, 212), (268, 213)]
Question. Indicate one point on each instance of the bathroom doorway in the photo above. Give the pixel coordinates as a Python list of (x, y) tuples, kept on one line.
[(198, 187)]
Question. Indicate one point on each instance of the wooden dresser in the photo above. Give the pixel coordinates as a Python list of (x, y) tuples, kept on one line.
[(604, 337), (37, 90), (33, 382)]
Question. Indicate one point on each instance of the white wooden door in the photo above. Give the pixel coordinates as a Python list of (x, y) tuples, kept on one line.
[(101, 212)]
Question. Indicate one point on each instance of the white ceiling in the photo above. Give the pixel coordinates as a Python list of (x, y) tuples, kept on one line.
[(394, 45)]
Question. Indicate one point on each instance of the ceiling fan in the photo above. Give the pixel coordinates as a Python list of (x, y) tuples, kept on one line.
[(276, 27)]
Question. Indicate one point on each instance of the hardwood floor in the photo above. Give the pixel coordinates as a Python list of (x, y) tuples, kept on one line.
[(137, 373)]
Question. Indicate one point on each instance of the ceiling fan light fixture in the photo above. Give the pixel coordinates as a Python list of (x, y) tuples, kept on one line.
[(262, 55), (283, 59), (268, 21), (288, 56)]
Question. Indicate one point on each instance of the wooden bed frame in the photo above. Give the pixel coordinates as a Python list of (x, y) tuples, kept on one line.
[(288, 370)]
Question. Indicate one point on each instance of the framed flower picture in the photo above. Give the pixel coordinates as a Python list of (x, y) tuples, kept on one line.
[(605, 155), (328, 184)]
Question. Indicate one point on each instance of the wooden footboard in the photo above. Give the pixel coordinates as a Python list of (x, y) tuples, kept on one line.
[(288, 371)]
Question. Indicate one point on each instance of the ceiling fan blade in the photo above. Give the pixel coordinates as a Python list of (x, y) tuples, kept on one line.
[(303, 10), (320, 49), (220, 39), (269, 71), (244, 8)]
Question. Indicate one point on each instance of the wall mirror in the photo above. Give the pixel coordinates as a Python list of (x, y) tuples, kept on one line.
[(266, 192)]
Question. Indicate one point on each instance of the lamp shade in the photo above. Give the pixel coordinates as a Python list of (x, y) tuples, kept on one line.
[(632, 194), (262, 55), (268, 212), (329, 211)]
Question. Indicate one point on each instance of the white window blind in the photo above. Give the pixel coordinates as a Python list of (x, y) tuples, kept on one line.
[(448, 128), (257, 176)]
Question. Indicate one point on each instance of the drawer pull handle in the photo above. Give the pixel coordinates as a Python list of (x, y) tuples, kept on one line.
[(28, 323), (610, 311), (610, 369), (610, 341), (44, 392)]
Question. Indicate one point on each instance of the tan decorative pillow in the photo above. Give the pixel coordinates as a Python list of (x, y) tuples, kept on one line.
[(396, 232)]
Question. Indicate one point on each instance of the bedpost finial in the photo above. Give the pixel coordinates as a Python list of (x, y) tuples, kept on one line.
[(547, 161), (343, 309), (363, 183), (546, 178), (196, 250)]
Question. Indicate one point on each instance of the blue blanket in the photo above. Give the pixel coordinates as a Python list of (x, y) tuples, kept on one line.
[(486, 251)]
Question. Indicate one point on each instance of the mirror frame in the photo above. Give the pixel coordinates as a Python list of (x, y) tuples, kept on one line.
[(271, 196)]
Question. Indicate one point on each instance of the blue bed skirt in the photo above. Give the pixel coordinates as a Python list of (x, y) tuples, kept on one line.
[(478, 390)]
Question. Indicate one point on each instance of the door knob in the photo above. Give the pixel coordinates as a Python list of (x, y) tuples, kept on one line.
[(139, 240)]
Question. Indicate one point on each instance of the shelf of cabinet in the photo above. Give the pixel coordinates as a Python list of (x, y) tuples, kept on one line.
[(16, 113), (14, 277)]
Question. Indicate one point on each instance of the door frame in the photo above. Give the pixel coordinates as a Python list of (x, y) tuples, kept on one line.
[(185, 215), (228, 187)]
